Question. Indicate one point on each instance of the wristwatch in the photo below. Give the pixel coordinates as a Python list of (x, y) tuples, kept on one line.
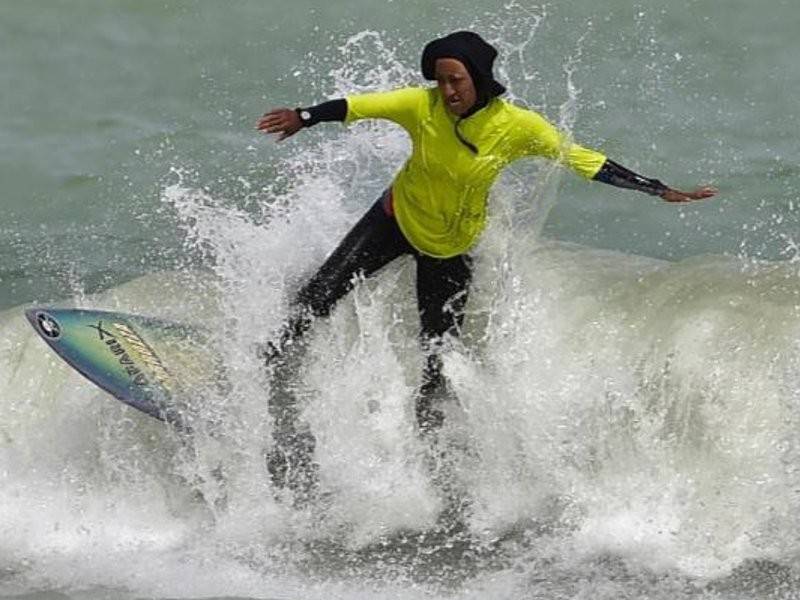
[(305, 116)]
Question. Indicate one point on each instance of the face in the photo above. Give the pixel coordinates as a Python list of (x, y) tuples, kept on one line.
[(455, 84)]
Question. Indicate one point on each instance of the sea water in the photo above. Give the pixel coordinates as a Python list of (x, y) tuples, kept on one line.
[(627, 378)]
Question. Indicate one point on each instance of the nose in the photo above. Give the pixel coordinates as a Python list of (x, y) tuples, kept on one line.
[(447, 89)]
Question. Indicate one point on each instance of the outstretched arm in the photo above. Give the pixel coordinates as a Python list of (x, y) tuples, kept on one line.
[(401, 106), (287, 122), (538, 137), (615, 174)]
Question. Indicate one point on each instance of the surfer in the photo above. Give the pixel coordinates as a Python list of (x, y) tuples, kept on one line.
[(463, 134)]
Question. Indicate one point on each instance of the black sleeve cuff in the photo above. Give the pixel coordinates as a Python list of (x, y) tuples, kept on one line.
[(332, 110), (615, 174)]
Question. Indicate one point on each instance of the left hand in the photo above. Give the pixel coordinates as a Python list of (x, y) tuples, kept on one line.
[(701, 193)]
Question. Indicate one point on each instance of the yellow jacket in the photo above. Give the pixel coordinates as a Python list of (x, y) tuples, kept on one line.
[(440, 193)]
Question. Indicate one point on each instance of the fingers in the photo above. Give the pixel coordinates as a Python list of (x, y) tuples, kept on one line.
[(283, 121), (276, 121), (273, 122), (701, 193), (707, 191)]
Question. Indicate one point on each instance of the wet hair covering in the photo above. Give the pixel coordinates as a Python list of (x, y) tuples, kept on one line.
[(477, 55), (474, 52)]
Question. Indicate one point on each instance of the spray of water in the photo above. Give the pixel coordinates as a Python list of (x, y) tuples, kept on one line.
[(615, 414)]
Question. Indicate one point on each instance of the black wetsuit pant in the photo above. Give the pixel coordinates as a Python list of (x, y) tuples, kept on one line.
[(376, 240)]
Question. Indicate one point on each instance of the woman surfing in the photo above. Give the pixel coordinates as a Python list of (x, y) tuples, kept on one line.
[(463, 135)]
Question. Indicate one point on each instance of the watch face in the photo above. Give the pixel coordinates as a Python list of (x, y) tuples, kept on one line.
[(305, 115)]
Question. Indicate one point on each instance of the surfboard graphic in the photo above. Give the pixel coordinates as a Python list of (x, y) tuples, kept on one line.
[(160, 368)]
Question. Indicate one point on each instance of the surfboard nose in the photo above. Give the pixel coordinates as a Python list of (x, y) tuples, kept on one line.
[(44, 323), (30, 314)]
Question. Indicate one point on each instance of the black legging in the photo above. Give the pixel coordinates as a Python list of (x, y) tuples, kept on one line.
[(442, 288), (375, 241)]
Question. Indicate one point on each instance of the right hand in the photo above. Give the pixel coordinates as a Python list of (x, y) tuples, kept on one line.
[(284, 121)]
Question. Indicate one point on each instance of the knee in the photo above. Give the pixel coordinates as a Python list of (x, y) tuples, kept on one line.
[(434, 329), (314, 301), (438, 320)]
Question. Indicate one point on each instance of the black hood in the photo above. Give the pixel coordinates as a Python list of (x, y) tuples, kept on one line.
[(474, 52)]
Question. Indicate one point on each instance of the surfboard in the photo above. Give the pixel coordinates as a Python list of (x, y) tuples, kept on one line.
[(164, 369)]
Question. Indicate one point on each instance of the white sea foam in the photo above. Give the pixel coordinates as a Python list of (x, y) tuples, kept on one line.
[(620, 418)]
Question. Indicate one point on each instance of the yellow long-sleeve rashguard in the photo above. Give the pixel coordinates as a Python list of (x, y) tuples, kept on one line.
[(440, 194)]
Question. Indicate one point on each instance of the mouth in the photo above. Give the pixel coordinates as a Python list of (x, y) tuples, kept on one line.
[(454, 104)]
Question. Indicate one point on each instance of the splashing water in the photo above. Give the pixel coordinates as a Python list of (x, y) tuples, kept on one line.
[(621, 420)]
